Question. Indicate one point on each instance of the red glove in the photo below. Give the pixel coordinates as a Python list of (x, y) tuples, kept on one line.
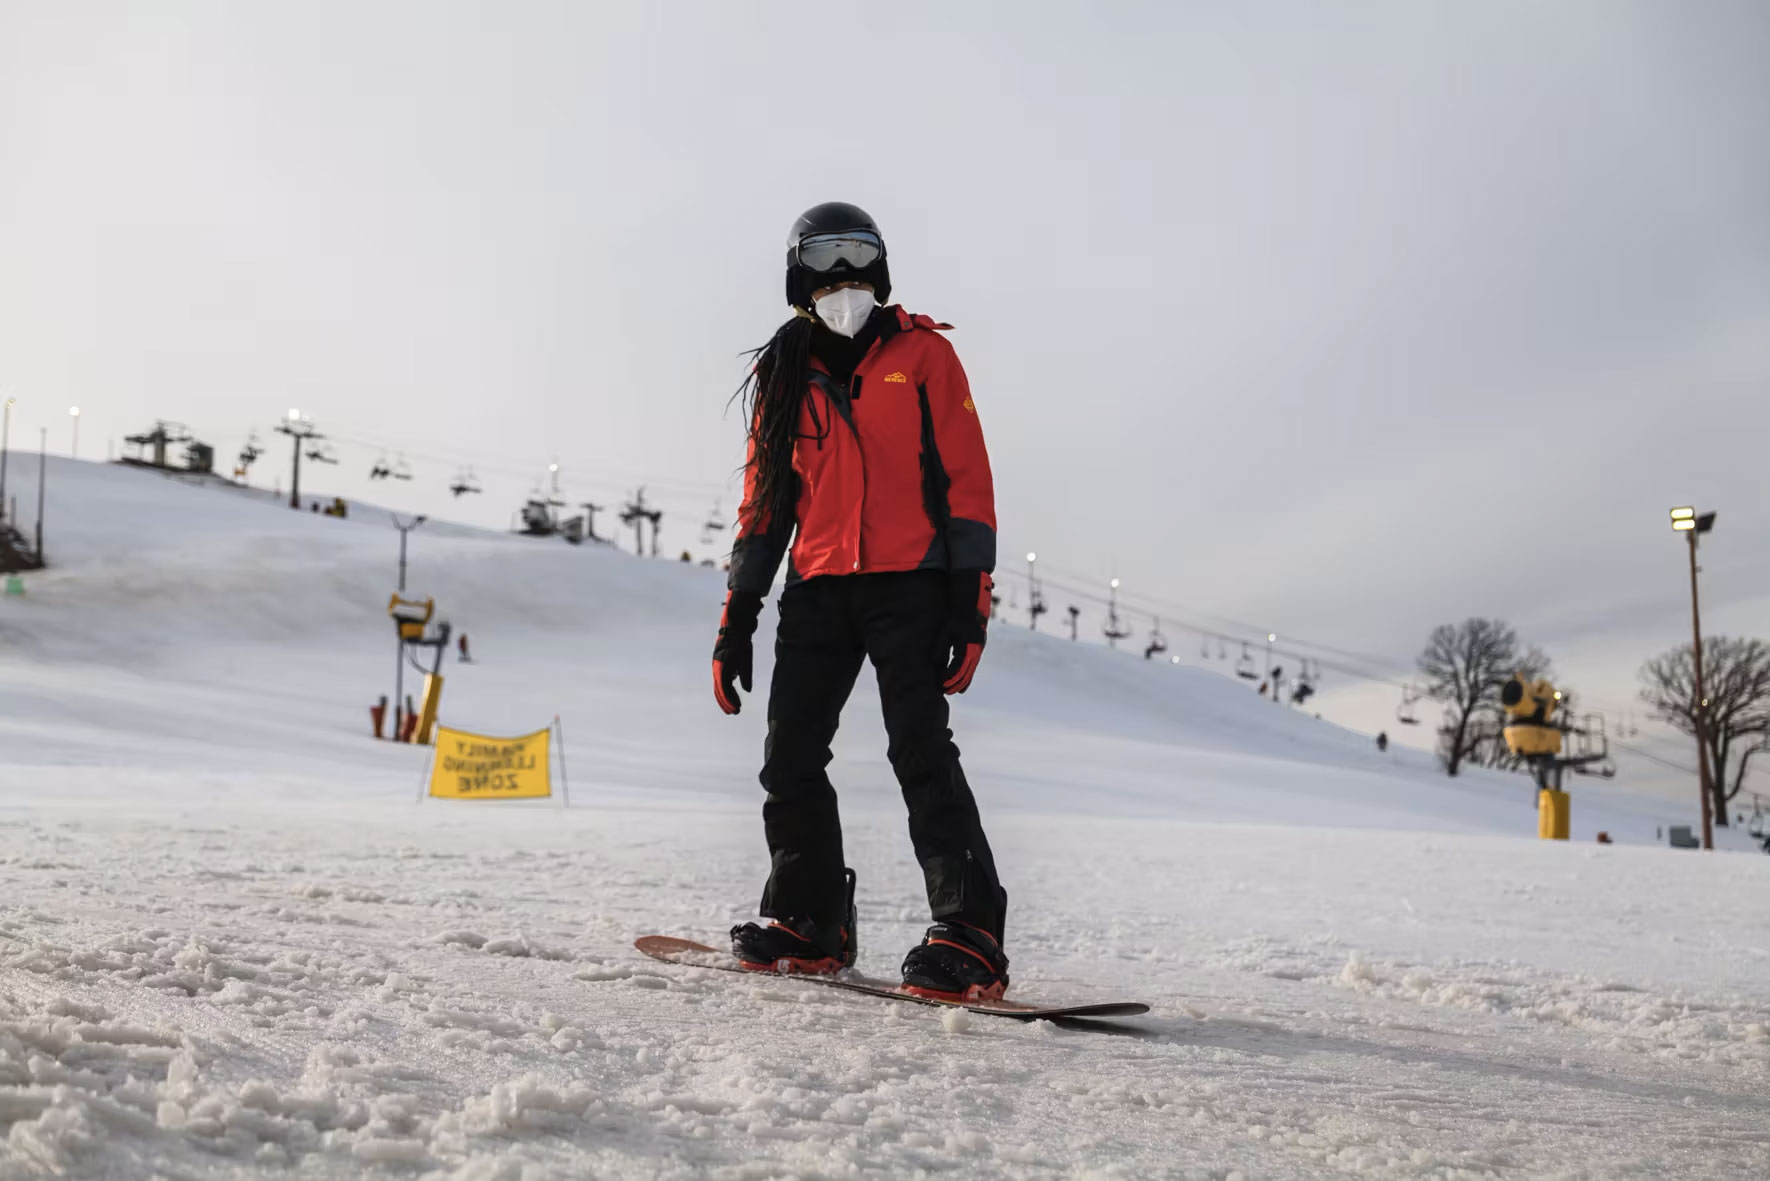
[(968, 611), (733, 653)]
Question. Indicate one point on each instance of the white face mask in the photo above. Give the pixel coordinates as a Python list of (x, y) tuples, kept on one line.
[(846, 309)]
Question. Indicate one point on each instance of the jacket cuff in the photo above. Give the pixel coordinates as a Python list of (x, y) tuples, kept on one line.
[(971, 545)]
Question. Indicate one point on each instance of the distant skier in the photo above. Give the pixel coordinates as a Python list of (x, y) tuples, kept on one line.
[(867, 460), (1382, 741), (462, 644)]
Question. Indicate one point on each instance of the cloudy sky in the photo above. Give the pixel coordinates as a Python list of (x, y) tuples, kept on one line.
[(1339, 321)]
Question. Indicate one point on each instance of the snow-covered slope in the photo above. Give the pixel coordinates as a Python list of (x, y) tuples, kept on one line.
[(223, 621), (230, 942)]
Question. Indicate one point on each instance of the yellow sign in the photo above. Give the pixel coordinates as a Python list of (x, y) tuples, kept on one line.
[(474, 767)]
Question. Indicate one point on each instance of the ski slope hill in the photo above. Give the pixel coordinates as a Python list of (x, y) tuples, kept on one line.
[(232, 945), (228, 620)]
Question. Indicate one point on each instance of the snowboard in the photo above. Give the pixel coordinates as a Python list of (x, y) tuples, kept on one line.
[(699, 955)]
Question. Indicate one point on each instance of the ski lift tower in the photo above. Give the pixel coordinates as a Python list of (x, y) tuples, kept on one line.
[(300, 430), (636, 513), (1035, 597)]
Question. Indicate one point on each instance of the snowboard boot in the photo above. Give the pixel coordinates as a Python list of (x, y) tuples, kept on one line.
[(956, 962), (798, 945)]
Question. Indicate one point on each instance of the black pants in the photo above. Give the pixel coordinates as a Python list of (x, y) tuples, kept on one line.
[(827, 627)]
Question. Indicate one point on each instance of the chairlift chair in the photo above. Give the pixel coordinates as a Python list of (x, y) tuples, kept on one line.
[(402, 470), (464, 482), (1158, 643), (1245, 668), (715, 523), (1404, 713), (1307, 675), (380, 471)]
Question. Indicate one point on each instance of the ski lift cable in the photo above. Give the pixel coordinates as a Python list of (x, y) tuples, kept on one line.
[(1151, 606), (504, 465), (1292, 652), (665, 493)]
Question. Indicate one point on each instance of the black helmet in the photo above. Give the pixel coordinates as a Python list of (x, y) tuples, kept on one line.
[(835, 219)]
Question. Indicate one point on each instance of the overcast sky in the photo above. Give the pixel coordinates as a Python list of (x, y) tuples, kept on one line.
[(1339, 320)]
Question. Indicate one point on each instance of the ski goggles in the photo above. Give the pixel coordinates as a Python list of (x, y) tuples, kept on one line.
[(852, 248)]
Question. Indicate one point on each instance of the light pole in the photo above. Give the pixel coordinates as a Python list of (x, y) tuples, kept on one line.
[(404, 528), (1687, 521), (5, 444), (74, 413)]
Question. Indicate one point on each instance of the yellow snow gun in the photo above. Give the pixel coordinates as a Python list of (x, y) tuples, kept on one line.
[(1530, 730)]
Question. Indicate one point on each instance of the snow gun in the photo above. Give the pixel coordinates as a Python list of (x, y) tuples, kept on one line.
[(1529, 705), (1534, 734), (411, 618)]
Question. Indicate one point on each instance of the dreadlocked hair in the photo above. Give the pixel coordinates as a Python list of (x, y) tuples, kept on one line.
[(771, 396)]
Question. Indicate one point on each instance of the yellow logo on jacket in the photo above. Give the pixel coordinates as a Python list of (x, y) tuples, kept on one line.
[(897, 377), (970, 405)]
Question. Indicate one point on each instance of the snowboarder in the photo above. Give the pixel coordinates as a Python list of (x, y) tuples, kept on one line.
[(867, 461)]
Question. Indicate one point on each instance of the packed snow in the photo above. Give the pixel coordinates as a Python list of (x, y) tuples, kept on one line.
[(233, 942)]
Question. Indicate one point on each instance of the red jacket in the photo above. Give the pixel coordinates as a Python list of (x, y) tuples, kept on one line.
[(892, 472)]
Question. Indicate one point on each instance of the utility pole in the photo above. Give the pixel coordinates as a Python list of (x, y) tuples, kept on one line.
[(299, 430), (5, 445)]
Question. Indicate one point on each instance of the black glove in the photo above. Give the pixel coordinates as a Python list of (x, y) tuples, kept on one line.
[(733, 654), (967, 621)]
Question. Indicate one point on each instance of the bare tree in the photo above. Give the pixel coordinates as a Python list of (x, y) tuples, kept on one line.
[(1465, 665), (1736, 677)]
